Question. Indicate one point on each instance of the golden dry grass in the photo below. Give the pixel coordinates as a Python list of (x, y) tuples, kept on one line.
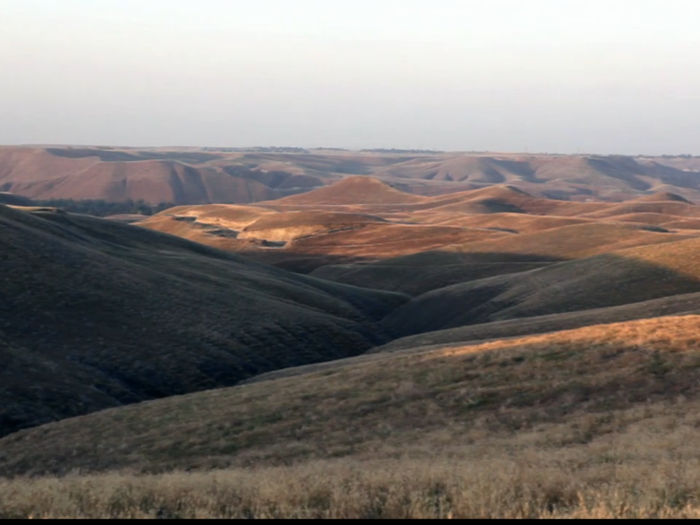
[(643, 466), (599, 422)]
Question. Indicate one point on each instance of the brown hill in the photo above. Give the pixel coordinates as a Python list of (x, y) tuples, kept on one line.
[(215, 225), (664, 197), (682, 224), (496, 251), (97, 314), (353, 190), (259, 174), (506, 198), (671, 208), (313, 237), (224, 215), (652, 219), (151, 181), (290, 226), (308, 237)]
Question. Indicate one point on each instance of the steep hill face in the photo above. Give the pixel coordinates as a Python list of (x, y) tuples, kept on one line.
[(54, 174), (97, 314)]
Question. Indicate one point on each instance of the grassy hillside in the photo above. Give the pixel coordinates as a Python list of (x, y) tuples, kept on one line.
[(97, 314), (576, 241), (624, 277), (431, 270), (541, 393), (683, 304), (306, 237)]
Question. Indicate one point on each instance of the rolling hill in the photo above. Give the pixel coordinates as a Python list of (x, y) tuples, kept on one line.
[(221, 175), (476, 336), (498, 254), (322, 229), (612, 279), (463, 402), (683, 304), (358, 230), (353, 190), (98, 314), (45, 174)]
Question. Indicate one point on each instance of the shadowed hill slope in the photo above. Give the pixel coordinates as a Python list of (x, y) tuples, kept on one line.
[(498, 252), (683, 304), (96, 314), (10, 199), (624, 277), (422, 272), (380, 405)]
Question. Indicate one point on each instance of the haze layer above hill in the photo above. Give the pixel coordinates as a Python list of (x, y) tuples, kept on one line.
[(200, 176)]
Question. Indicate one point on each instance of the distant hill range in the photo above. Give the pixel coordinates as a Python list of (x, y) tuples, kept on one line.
[(236, 176)]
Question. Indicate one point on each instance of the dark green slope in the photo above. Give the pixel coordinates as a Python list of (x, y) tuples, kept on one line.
[(621, 278), (96, 314)]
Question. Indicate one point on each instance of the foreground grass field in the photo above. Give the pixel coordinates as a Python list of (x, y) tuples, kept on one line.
[(595, 422), (641, 464)]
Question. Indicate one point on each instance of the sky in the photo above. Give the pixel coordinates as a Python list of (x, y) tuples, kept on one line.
[(562, 76)]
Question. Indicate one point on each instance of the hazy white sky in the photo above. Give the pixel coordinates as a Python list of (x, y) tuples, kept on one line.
[(606, 76)]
